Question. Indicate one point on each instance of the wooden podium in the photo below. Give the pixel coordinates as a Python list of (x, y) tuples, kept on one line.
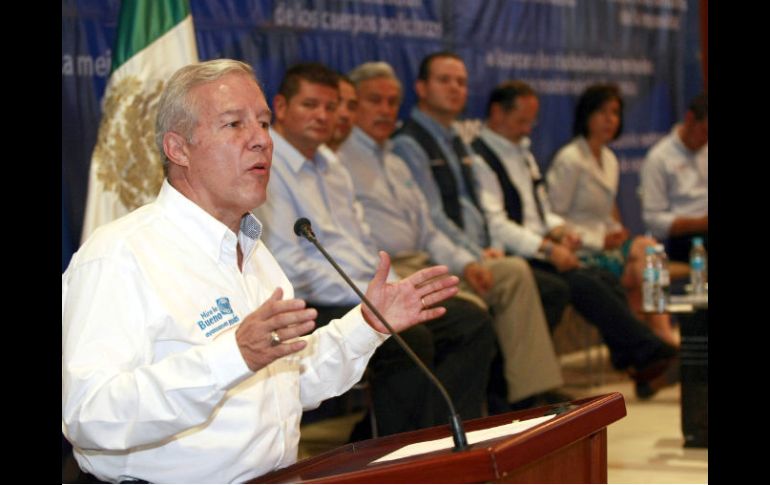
[(570, 448)]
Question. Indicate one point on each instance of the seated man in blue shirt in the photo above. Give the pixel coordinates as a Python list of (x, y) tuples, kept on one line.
[(308, 181), (675, 183)]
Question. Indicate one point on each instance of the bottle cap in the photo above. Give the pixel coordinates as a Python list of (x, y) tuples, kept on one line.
[(697, 241)]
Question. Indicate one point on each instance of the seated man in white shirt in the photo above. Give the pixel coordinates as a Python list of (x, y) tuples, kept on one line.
[(518, 210), (182, 359), (674, 180)]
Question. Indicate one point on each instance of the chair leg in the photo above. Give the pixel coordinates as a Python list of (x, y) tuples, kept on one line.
[(366, 385), (589, 355), (373, 421)]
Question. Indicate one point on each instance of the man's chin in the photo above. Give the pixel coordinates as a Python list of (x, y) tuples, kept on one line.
[(258, 200)]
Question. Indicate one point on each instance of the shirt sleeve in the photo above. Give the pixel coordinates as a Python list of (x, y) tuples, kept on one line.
[(656, 207), (336, 357), (116, 394), (419, 165), (441, 249), (562, 179), (344, 183), (515, 237), (553, 220)]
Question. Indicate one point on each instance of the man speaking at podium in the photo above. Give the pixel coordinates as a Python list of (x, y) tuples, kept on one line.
[(181, 355)]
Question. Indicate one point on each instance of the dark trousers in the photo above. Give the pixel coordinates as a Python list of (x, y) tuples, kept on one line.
[(598, 296), (554, 293), (457, 347)]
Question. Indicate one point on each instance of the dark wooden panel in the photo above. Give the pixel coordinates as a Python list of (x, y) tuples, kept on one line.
[(570, 448)]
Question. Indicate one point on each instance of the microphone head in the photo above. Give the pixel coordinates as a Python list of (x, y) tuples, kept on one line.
[(302, 227)]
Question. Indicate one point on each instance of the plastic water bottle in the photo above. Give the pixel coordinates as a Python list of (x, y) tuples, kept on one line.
[(698, 267), (664, 278), (650, 280)]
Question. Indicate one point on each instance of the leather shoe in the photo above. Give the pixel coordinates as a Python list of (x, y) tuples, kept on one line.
[(555, 397), (543, 399), (656, 376)]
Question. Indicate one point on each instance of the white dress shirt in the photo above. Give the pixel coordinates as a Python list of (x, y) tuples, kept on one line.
[(523, 239), (675, 183), (153, 383)]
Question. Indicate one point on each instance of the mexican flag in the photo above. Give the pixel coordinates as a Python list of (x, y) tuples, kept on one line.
[(154, 39)]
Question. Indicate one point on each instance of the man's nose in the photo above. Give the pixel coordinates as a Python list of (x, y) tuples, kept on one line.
[(259, 137)]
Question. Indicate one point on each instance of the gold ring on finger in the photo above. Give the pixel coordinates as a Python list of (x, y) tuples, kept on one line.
[(274, 339)]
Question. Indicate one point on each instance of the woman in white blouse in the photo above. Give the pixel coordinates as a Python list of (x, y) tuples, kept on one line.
[(582, 185)]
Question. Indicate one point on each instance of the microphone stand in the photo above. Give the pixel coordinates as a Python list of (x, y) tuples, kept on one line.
[(302, 228)]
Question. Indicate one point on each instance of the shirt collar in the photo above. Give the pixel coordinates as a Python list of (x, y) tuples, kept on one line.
[(679, 144), (582, 143), (502, 143), (434, 127), (202, 228), (605, 174), (367, 142), (293, 158)]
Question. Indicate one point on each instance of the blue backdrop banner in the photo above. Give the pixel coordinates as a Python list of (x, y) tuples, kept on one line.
[(650, 48)]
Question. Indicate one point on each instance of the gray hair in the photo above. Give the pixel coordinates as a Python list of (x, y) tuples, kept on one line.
[(176, 111), (374, 70)]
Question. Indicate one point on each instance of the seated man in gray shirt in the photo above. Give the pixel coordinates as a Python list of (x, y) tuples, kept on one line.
[(395, 206), (675, 183), (308, 181)]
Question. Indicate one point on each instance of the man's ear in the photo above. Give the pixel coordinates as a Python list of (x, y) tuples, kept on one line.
[(175, 147), (279, 107), (689, 118), (420, 88), (495, 111)]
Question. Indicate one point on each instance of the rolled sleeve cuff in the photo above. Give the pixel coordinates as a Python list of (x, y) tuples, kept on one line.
[(459, 264), (554, 220), (530, 244), (593, 240), (362, 339), (226, 362), (662, 226)]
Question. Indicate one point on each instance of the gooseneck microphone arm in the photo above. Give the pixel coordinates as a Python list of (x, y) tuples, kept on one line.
[(302, 228)]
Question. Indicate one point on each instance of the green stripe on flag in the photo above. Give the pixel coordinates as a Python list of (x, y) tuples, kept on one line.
[(143, 21)]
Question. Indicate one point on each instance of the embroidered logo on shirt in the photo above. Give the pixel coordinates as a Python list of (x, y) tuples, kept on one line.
[(224, 305), (213, 319)]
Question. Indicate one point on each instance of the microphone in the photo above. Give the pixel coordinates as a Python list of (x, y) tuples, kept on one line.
[(302, 228)]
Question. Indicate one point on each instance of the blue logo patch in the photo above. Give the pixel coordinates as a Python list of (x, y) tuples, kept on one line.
[(224, 305), (213, 320)]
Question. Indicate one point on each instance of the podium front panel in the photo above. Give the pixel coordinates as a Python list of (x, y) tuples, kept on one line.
[(570, 448)]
